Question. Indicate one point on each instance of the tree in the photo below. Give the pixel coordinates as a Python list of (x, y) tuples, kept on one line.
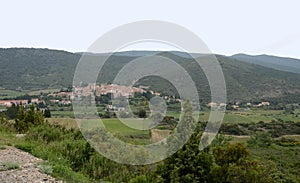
[(221, 140), (27, 119), (185, 126), (142, 113), (47, 113), (233, 164), (189, 164), (289, 109), (12, 111)]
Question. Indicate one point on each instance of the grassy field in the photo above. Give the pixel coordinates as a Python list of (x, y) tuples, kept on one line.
[(113, 125), (4, 93), (116, 126), (9, 93), (132, 129), (133, 125), (254, 116), (127, 126), (63, 114), (231, 117), (38, 92)]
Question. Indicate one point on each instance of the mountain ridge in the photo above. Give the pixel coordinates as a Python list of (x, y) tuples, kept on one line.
[(270, 61)]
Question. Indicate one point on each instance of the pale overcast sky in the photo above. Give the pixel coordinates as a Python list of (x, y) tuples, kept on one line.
[(227, 27)]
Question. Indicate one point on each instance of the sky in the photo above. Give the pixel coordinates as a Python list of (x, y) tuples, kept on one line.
[(227, 27)]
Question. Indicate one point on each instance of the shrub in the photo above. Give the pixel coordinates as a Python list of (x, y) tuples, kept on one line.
[(288, 142), (140, 179), (68, 174), (262, 139), (10, 166), (76, 151), (44, 133), (25, 147), (5, 125), (231, 129), (46, 168)]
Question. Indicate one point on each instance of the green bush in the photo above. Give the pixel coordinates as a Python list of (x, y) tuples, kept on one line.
[(44, 133), (233, 164), (77, 152), (6, 126), (287, 142), (25, 147), (66, 173), (140, 179), (262, 139)]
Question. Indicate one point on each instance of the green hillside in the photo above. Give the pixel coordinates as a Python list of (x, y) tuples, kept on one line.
[(35, 69), (28, 69)]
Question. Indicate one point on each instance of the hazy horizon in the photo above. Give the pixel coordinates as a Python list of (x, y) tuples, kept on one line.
[(227, 28), (144, 50)]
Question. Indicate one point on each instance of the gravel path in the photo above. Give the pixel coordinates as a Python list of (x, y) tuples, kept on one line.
[(28, 170)]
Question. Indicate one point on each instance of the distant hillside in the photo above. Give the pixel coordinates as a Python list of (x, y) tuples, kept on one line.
[(279, 63), (35, 69)]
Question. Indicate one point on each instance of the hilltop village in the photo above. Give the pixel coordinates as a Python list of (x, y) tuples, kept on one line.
[(106, 92)]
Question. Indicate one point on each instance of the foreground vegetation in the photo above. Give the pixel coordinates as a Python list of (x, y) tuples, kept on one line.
[(260, 157)]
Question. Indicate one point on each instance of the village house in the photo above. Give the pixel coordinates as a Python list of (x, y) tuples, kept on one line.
[(235, 106), (110, 107), (265, 103), (155, 93), (65, 102), (222, 105), (262, 104), (212, 104), (34, 100), (9, 103), (61, 94), (117, 90)]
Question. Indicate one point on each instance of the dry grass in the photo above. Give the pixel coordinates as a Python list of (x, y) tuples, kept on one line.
[(158, 135), (66, 122)]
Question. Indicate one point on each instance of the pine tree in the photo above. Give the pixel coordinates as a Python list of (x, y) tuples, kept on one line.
[(189, 164), (27, 119), (47, 113)]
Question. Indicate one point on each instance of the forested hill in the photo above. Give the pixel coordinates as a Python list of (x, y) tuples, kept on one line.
[(32, 69), (35, 69), (279, 63)]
